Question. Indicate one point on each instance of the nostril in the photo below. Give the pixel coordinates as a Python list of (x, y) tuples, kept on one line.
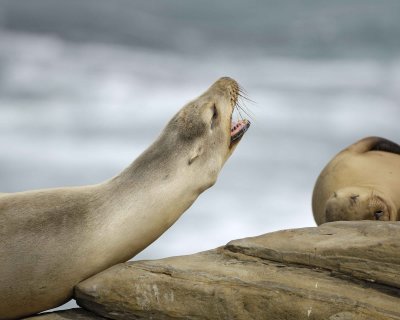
[(378, 214)]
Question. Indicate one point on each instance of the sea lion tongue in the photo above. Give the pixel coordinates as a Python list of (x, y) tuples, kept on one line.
[(238, 129)]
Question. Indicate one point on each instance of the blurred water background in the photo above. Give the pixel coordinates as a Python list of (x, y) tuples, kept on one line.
[(87, 85)]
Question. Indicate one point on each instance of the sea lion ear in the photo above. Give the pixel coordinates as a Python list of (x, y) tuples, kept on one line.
[(195, 154)]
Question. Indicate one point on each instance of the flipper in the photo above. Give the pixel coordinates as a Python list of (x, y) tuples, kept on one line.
[(375, 144), (386, 145)]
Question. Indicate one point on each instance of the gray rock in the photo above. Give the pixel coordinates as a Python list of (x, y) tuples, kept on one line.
[(71, 314), (338, 271)]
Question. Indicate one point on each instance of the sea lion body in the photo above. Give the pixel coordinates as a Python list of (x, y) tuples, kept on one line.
[(362, 182), (52, 239)]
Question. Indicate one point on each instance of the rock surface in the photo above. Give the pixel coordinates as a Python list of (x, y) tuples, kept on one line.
[(364, 250), (338, 271)]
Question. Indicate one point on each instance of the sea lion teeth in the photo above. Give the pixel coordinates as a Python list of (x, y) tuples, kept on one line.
[(240, 130), (52, 239)]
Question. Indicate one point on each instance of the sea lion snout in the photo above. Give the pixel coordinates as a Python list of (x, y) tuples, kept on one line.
[(227, 82), (228, 87)]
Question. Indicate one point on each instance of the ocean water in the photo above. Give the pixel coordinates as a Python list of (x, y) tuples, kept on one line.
[(78, 112)]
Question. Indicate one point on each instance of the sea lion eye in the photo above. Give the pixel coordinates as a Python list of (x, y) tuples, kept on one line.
[(215, 112), (378, 214), (214, 116)]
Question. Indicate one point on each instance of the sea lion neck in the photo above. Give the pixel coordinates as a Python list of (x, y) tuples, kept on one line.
[(155, 164)]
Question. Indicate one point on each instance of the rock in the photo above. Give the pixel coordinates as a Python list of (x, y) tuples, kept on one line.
[(71, 314), (338, 271), (362, 249)]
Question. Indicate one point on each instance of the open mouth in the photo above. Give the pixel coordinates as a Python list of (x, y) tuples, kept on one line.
[(238, 129)]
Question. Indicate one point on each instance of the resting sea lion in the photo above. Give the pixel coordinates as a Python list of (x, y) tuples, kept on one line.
[(52, 239), (360, 183)]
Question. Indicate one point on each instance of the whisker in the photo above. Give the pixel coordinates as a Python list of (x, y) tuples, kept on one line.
[(238, 110), (242, 90), (247, 98), (242, 106), (243, 94)]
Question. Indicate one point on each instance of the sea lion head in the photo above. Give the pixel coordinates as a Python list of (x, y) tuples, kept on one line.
[(359, 203), (203, 132)]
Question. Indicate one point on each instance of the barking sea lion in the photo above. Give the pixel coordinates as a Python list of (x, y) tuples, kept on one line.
[(52, 239)]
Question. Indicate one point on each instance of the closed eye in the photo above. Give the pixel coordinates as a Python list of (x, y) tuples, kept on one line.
[(215, 112), (214, 116)]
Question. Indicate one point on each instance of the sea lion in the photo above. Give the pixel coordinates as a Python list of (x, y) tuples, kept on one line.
[(362, 182), (52, 239)]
